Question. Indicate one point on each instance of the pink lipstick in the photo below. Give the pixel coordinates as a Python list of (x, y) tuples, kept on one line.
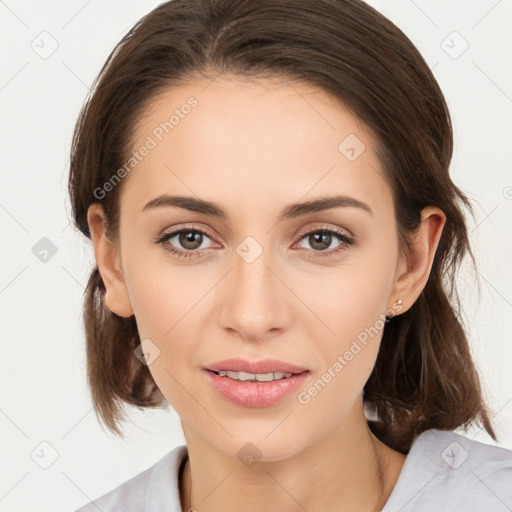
[(255, 383)]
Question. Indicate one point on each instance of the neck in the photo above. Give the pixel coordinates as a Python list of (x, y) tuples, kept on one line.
[(349, 469)]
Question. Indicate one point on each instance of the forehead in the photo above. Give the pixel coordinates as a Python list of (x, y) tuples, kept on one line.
[(253, 139)]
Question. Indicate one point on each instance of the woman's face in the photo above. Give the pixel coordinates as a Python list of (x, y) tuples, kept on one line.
[(250, 283)]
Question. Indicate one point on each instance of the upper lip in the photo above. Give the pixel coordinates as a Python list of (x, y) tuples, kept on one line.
[(263, 366)]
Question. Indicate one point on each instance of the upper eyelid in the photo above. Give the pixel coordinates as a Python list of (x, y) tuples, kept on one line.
[(301, 232), (173, 232)]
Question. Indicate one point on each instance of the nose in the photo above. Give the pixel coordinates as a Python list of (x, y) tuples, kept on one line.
[(255, 302)]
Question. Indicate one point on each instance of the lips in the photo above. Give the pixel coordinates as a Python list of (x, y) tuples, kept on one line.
[(264, 366), (254, 394), (252, 387)]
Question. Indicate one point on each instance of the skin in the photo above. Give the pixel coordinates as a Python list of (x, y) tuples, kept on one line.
[(253, 148)]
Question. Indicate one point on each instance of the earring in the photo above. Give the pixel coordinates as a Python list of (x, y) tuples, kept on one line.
[(397, 303)]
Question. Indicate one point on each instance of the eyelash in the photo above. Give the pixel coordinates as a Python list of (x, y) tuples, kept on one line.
[(343, 237)]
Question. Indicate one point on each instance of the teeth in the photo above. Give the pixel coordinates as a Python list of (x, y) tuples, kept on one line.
[(260, 377)]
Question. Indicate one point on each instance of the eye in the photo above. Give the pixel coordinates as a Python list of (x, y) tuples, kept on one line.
[(321, 239), (190, 240)]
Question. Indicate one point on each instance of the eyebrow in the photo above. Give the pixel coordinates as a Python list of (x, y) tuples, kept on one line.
[(289, 212)]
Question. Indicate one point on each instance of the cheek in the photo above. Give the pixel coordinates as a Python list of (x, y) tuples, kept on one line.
[(164, 310), (168, 304), (164, 295), (348, 358), (350, 300), (351, 307)]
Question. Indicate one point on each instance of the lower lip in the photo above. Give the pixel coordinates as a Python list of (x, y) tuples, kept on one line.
[(254, 393)]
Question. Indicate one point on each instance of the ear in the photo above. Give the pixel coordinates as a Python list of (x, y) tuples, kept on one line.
[(413, 269), (109, 263)]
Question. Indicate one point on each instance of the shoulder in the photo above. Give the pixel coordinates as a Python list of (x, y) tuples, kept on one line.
[(445, 471), (156, 488)]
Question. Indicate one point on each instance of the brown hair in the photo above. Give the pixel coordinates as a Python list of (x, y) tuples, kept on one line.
[(424, 376)]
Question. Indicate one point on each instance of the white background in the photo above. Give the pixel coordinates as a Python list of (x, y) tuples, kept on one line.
[(44, 397)]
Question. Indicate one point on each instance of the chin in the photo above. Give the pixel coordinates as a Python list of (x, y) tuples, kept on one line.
[(252, 447)]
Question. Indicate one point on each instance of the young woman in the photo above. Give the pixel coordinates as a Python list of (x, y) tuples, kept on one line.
[(277, 235)]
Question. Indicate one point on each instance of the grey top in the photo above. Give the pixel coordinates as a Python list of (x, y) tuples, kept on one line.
[(443, 472)]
